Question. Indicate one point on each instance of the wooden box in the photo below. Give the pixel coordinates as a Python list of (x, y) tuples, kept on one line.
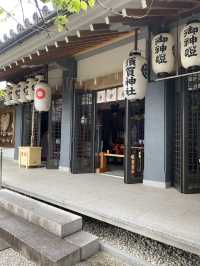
[(29, 156)]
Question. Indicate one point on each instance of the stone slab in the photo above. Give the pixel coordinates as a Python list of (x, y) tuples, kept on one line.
[(3, 245), (164, 215), (37, 244), (54, 220), (88, 243)]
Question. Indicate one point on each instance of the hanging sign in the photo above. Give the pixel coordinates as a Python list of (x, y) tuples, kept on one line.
[(135, 76), (42, 97), (120, 94), (111, 95), (190, 45), (7, 127), (163, 57)]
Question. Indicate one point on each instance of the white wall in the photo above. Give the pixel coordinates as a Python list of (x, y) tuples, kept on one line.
[(55, 77), (107, 62), (8, 153)]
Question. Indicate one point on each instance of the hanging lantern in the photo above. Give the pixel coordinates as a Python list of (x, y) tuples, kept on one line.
[(190, 45), (135, 76), (22, 91), (29, 89), (8, 96), (163, 57), (14, 95), (42, 95)]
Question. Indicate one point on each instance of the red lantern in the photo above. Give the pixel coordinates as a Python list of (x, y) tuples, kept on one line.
[(42, 97)]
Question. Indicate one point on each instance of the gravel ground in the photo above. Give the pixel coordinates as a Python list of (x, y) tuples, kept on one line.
[(9, 257), (140, 247)]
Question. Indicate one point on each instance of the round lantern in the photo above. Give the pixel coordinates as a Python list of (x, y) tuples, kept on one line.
[(190, 45), (39, 78), (22, 91), (135, 76), (163, 58), (29, 89), (8, 96), (42, 96)]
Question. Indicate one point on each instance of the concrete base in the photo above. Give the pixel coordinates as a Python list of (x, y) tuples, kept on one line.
[(64, 169), (156, 184), (161, 214), (54, 220)]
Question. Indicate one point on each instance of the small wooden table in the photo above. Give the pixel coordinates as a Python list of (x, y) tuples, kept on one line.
[(104, 162)]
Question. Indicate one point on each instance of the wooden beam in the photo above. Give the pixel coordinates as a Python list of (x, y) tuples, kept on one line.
[(103, 82), (59, 53), (153, 12), (174, 4), (106, 43)]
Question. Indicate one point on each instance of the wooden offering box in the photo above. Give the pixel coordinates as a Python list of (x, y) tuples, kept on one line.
[(29, 156)]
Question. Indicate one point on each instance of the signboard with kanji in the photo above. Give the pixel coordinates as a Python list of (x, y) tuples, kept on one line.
[(111, 95)]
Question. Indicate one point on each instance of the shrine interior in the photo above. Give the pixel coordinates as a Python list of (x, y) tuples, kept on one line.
[(110, 134)]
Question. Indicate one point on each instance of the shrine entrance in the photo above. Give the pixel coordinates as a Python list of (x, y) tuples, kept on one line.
[(108, 135)]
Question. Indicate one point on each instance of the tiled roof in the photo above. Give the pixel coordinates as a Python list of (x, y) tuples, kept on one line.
[(14, 25)]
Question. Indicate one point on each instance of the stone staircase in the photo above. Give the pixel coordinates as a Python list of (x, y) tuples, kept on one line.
[(43, 233)]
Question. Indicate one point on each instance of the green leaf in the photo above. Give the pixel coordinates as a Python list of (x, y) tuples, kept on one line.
[(84, 6), (61, 22), (1, 11), (91, 3), (45, 1)]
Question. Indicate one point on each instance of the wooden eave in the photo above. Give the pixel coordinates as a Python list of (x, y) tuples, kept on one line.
[(120, 26)]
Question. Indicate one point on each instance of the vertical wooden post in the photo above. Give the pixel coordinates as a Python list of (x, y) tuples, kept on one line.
[(128, 178), (33, 127)]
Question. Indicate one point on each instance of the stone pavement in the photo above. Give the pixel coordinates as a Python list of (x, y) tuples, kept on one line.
[(163, 215)]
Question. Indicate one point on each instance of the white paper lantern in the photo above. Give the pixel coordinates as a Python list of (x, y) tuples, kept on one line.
[(39, 78), (8, 96), (14, 95), (163, 58), (29, 89), (190, 45), (42, 97), (22, 91), (135, 76)]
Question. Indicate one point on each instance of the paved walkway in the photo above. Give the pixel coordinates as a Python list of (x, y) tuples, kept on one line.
[(164, 215)]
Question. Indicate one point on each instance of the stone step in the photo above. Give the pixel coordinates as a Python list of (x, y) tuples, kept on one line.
[(52, 219), (37, 244), (88, 243)]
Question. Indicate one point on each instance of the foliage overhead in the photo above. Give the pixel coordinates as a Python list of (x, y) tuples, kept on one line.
[(64, 8)]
